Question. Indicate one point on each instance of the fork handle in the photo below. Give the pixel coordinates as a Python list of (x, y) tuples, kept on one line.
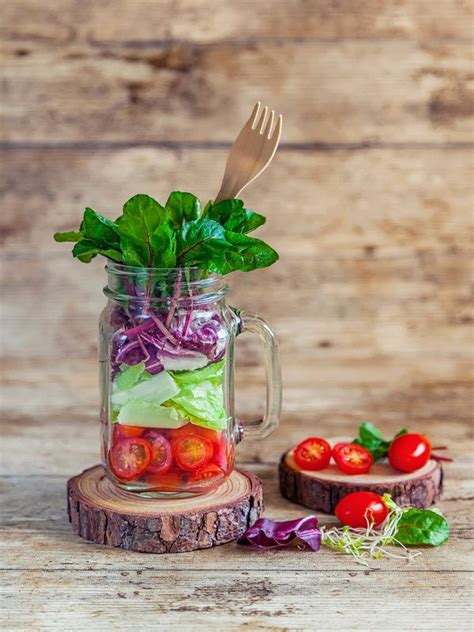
[(226, 192)]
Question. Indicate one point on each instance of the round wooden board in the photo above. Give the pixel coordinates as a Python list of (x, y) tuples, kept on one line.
[(322, 490), (105, 514)]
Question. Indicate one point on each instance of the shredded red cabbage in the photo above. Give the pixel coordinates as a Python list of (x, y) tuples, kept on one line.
[(267, 534), (153, 337)]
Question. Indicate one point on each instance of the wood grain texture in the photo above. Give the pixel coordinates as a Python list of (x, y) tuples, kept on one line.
[(102, 513), (209, 21), (322, 491), (369, 203), (412, 93)]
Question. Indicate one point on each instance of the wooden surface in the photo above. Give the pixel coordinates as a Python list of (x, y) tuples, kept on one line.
[(323, 490), (103, 513), (369, 202)]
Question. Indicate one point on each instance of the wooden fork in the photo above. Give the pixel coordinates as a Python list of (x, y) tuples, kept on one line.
[(251, 152)]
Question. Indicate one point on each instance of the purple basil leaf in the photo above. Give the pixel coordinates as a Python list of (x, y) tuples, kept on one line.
[(266, 534)]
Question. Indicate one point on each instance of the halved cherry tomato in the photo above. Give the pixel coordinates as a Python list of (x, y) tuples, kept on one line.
[(129, 458), (360, 509), (161, 455), (191, 451), (409, 452), (313, 454), (126, 432), (352, 458), (336, 447), (218, 439), (207, 473)]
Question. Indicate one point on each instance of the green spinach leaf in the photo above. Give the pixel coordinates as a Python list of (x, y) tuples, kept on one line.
[(85, 250), (183, 207), (146, 236), (234, 216), (71, 235), (372, 439), (422, 527)]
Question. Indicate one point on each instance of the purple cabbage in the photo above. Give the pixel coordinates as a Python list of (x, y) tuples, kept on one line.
[(161, 339), (268, 534)]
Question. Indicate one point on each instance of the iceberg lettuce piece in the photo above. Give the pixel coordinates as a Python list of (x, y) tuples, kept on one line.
[(129, 376), (157, 389), (201, 396), (150, 415)]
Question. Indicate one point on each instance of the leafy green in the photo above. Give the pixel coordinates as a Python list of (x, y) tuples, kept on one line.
[(148, 235), (71, 235), (102, 231), (212, 372), (207, 244), (183, 207), (422, 527), (233, 216), (129, 376), (157, 388), (372, 439), (86, 249), (150, 414), (201, 396)]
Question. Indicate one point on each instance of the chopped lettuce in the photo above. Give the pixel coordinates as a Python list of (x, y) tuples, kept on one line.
[(201, 396), (157, 389), (150, 414), (213, 372), (129, 376)]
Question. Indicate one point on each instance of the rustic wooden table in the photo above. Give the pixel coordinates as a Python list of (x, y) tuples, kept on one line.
[(369, 203)]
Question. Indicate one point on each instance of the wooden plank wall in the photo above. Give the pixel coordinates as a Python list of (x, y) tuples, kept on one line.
[(369, 199)]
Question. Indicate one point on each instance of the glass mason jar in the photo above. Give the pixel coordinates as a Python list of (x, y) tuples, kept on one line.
[(168, 426)]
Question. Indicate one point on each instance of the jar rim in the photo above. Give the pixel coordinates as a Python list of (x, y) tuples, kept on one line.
[(208, 287)]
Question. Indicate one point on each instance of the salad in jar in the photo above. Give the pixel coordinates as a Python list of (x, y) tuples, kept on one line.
[(167, 335)]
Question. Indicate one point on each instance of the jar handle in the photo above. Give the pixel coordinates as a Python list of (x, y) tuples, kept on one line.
[(252, 323)]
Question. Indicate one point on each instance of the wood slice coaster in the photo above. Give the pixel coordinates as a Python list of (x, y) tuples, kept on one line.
[(105, 514), (322, 490)]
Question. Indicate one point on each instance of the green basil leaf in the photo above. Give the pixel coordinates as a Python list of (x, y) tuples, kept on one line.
[(183, 207), (68, 236), (234, 216), (368, 432), (422, 527), (372, 439), (146, 236)]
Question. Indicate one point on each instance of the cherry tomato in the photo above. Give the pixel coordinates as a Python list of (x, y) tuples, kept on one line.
[(161, 455), (219, 443), (336, 447), (207, 473), (409, 452), (191, 451), (361, 508), (176, 433), (129, 458), (352, 458), (126, 432), (313, 454)]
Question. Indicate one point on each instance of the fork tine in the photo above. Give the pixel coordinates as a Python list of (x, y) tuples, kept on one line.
[(253, 117), (268, 127), (277, 129), (263, 120), (258, 125)]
